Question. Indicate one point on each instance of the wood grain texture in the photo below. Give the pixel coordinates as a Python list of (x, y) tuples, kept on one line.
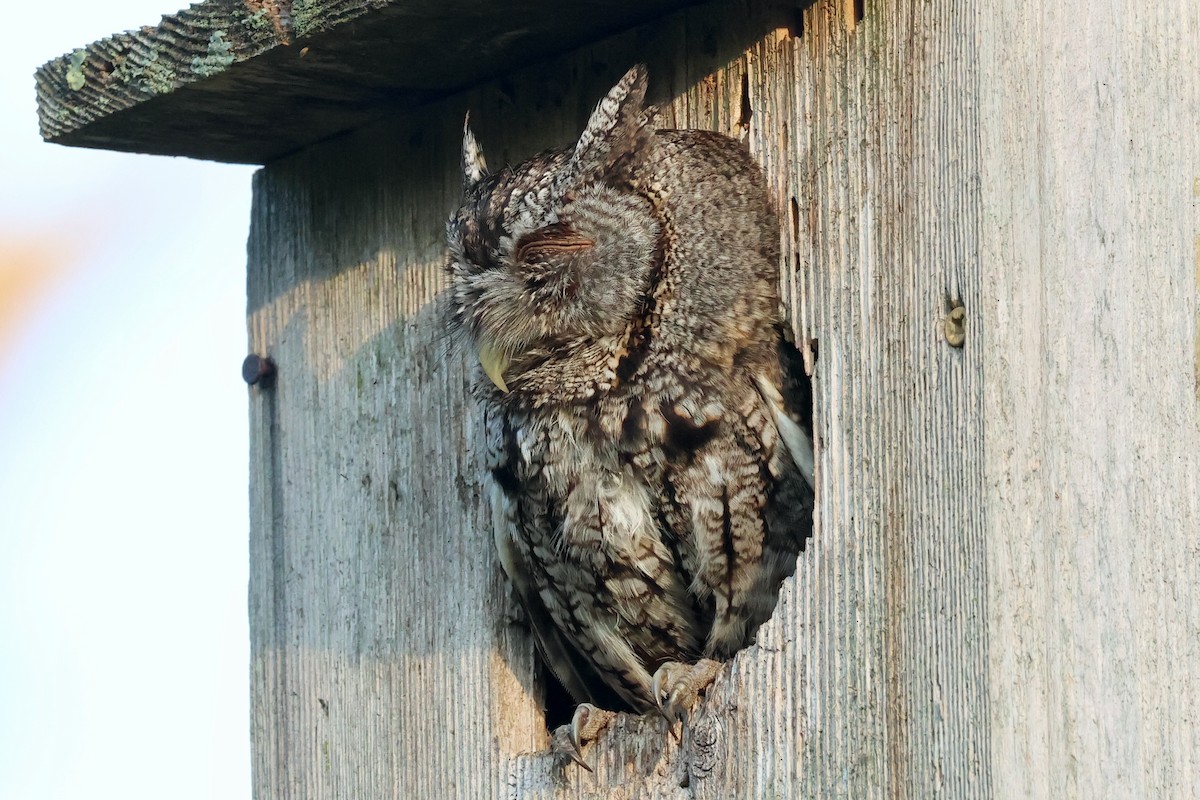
[(1000, 598), (1093, 450), (252, 80)]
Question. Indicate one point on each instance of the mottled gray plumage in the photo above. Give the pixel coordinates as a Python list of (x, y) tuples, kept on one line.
[(649, 434)]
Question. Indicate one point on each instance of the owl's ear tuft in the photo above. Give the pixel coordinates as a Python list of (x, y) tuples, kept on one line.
[(618, 132), (474, 166)]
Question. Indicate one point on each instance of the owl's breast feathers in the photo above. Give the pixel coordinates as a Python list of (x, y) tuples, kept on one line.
[(654, 524)]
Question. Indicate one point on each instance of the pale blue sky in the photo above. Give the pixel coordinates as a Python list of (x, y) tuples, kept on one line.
[(123, 511)]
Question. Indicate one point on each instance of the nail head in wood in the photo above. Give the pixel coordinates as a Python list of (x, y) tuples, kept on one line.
[(258, 370), (955, 326)]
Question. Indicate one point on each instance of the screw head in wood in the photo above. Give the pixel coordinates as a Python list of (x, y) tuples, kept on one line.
[(258, 369), (954, 326)]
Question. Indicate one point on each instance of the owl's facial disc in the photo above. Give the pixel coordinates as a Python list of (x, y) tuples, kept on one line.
[(494, 361)]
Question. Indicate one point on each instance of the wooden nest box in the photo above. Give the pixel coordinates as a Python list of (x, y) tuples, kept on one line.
[(990, 225)]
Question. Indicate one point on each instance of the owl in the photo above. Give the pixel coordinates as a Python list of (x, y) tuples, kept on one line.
[(648, 422)]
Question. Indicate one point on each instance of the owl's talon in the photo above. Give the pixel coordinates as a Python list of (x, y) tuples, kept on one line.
[(656, 685), (578, 720), (676, 687), (586, 724)]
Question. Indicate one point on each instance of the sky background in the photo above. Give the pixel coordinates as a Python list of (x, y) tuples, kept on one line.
[(123, 452)]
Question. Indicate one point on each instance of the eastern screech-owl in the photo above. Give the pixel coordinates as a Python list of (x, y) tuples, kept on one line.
[(649, 425)]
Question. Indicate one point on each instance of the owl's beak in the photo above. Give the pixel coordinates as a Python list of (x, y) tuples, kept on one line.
[(494, 361)]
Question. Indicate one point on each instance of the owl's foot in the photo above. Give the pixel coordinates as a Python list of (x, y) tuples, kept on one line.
[(676, 686), (586, 724)]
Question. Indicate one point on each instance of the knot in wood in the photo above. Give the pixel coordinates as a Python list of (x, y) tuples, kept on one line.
[(704, 740)]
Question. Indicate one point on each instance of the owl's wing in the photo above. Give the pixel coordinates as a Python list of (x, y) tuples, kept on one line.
[(791, 407), (569, 666), (751, 499), (790, 465)]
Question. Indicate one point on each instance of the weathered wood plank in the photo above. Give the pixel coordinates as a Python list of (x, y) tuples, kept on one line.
[(251, 80), (374, 605), (1092, 262)]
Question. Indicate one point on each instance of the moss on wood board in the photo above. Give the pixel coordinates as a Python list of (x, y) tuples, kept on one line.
[(251, 80)]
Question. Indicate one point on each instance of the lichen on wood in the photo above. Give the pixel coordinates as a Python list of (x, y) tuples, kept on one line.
[(251, 80)]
